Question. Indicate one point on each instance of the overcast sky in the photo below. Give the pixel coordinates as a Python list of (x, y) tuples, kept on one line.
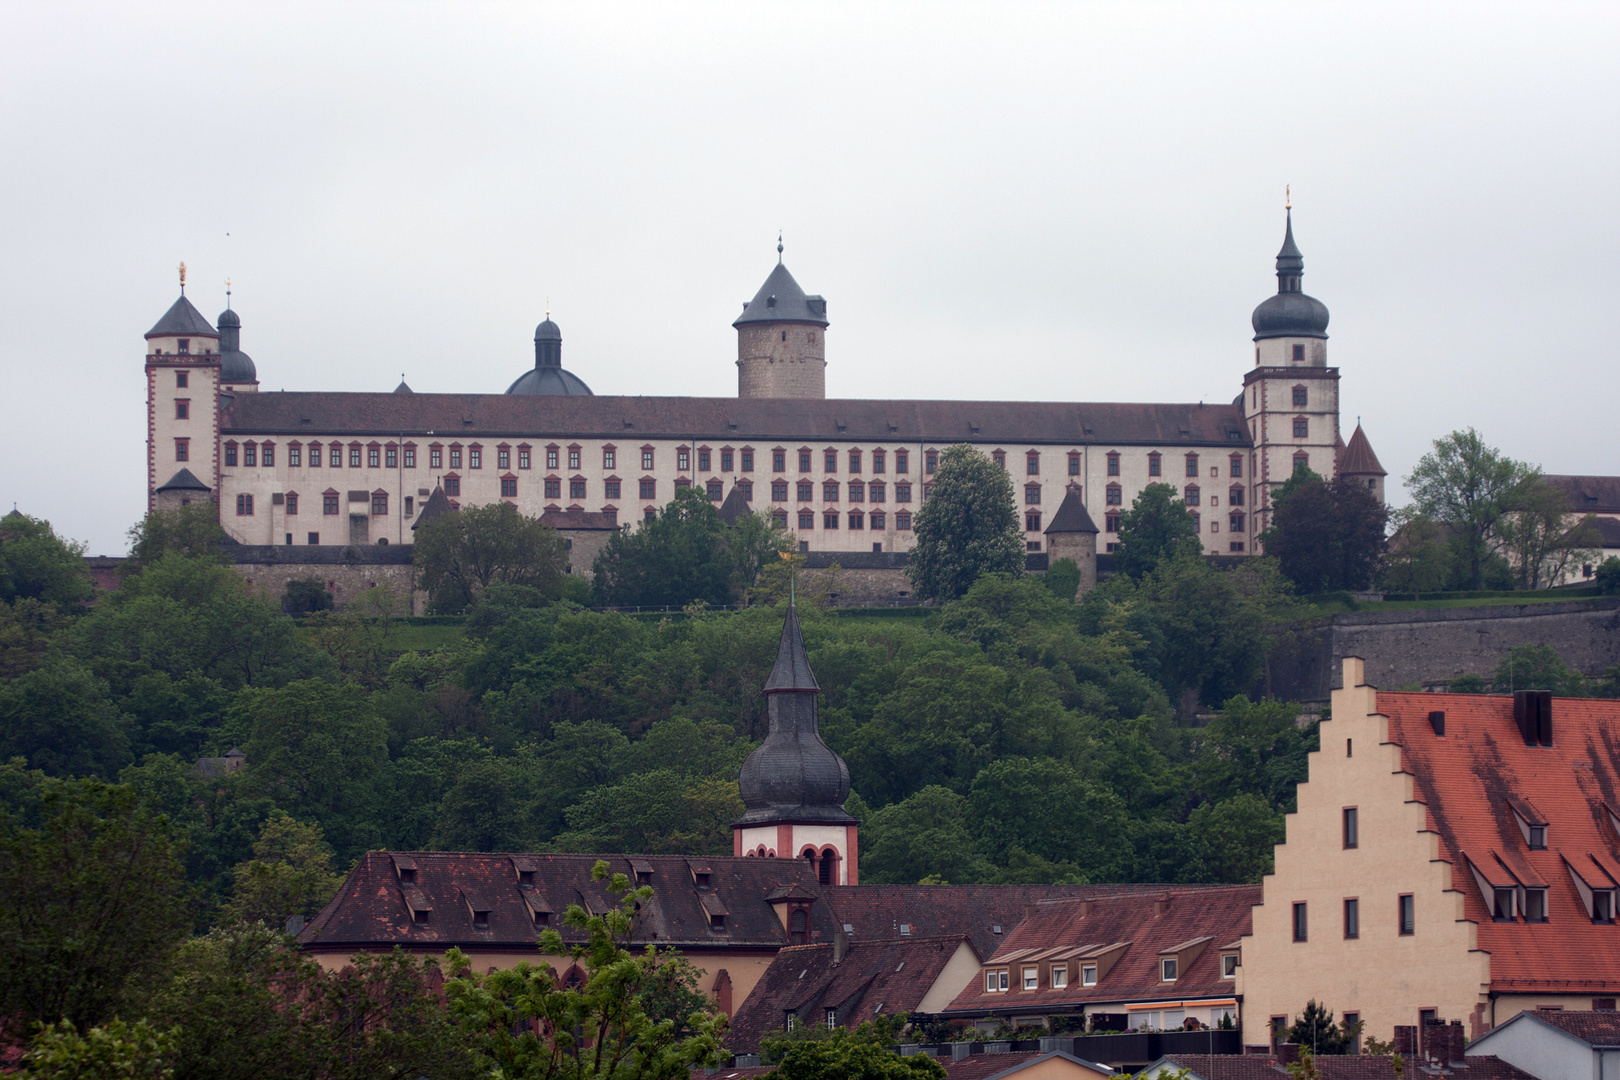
[(1009, 201)]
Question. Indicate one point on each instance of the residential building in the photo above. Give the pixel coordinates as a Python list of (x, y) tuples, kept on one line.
[(1569, 1045)]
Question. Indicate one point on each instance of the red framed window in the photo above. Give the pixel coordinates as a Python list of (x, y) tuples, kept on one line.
[(779, 491), (435, 457), (879, 519), (1032, 521), (610, 489), (649, 489), (778, 460), (930, 462), (1300, 397), (295, 455), (727, 460), (829, 491), (683, 460), (1115, 495), (373, 457), (807, 491), (1302, 428), (1190, 495), (1302, 460), (747, 489), (573, 457), (649, 515), (1235, 522), (292, 504), (857, 520), (807, 520), (705, 459), (1032, 464), (525, 458), (1192, 464), (902, 521), (267, 454), (804, 461), (830, 461), (1155, 465), (716, 490), (314, 455), (902, 461), (829, 519), (610, 457), (182, 409), (854, 461), (1234, 496), (902, 492), (452, 486), (250, 455), (999, 457), (1237, 466), (1032, 494), (455, 457), (1074, 464), (647, 457), (354, 457), (576, 487), (182, 449), (554, 487), (779, 518), (508, 487), (1113, 463), (329, 503), (1111, 523), (857, 491), (379, 504), (879, 460), (244, 506), (877, 491), (182, 379)]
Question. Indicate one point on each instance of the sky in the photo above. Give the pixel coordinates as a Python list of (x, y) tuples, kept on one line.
[(1071, 202)]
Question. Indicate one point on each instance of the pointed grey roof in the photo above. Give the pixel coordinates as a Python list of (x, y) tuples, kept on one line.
[(792, 671), (183, 320), (1071, 516), (438, 504), (184, 481), (1289, 252), (402, 388), (734, 507), (781, 300)]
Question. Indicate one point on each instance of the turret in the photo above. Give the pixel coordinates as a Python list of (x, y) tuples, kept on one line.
[(794, 785), (781, 340), (182, 406)]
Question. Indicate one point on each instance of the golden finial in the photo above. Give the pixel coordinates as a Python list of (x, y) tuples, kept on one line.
[(1288, 197), (182, 279), (548, 307), (227, 294)]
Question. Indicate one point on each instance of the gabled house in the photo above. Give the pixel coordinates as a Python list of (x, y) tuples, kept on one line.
[(1571, 1045)]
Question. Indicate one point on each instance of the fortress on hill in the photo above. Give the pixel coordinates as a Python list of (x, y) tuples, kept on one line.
[(340, 471)]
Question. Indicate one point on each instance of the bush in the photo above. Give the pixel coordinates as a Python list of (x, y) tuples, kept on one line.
[(1608, 576), (304, 596)]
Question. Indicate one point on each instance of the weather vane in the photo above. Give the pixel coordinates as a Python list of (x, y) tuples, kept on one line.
[(182, 279), (1288, 197), (778, 245), (227, 294)]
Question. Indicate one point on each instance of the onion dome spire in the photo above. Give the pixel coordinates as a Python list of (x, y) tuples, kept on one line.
[(1290, 313)]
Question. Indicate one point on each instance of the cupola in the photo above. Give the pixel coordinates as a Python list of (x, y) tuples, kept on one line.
[(548, 376), (1290, 313)]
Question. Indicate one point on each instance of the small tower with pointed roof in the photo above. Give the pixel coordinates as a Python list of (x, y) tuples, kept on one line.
[(1290, 399), (1358, 463), (182, 406), (794, 785), (1073, 535), (781, 340)]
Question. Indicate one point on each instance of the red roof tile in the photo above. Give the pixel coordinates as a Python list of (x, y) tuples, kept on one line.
[(1336, 1067), (1219, 913), (990, 1066), (1358, 459), (1596, 1028), (1469, 778)]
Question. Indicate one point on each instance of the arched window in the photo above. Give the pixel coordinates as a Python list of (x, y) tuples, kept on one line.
[(829, 867)]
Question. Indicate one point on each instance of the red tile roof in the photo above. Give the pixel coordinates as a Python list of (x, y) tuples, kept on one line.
[(1336, 1067), (1469, 779), (1218, 914), (990, 1066), (462, 416), (1358, 459), (891, 976), (1596, 1028), (370, 910)]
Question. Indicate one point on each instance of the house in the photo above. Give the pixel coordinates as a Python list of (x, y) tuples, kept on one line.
[(1026, 1065), (845, 983), (1454, 856), (1571, 1045), (1330, 1067)]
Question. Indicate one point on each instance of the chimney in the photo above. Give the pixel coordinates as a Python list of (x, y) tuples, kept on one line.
[(1544, 717), (840, 945), (1162, 904), (1287, 1054), (1405, 1041), (1437, 720)]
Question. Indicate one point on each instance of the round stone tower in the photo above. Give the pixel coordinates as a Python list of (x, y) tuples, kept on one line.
[(781, 341)]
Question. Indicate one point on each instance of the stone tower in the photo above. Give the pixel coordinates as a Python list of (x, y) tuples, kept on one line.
[(781, 341), (1291, 396), (794, 785), (182, 407)]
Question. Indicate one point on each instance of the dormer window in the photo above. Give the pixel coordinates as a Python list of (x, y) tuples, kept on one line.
[(1088, 974), (1502, 907), (1603, 905), (1538, 838), (717, 922), (1167, 969), (1060, 976), (1535, 905), (1229, 965), (419, 917)]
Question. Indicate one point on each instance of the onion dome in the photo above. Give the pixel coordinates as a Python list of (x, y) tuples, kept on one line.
[(1290, 313), (781, 300), (548, 375), (793, 775), (235, 366)]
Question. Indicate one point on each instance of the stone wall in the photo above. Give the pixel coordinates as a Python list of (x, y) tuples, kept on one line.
[(1432, 647), (345, 571)]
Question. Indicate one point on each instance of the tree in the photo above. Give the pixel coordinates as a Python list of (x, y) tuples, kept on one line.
[(595, 1014), (1213, 632), (1467, 486), (1063, 579), (91, 902), (1255, 748), (290, 874), (1314, 1030), (36, 564), (655, 812), (968, 526), (1326, 536), (679, 557), (192, 530), (842, 1054), (1542, 539), (1608, 576), (60, 718), (1022, 807), (1157, 527), (924, 836), (135, 1051), (305, 595), (1238, 837), (1417, 556), (1537, 667), (459, 555)]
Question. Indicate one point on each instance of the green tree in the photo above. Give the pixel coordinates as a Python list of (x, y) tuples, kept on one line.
[(305, 595), (655, 812), (685, 555), (1213, 633), (290, 874), (1314, 1030), (924, 836), (1255, 748), (489, 806), (26, 629), (459, 555), (36, 564), (1542, 539), (1158, 526), (599, 1025), (1608, 576), (1468, 485), (1063, 579), (91, 902), (1043, 808), (842, 1054), (137, 1051), (192, 531), (1237, 837), (1538, 667), (1417, 556), (1326, 536), (60, 718), (967, 527)]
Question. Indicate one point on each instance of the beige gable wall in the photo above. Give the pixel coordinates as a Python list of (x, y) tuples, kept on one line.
[(962, 967), (1383, 975)]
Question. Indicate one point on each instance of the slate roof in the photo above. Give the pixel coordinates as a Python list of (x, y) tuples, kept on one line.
[(1071, 516), (735, 506), (1608, 531), (549, 381), (1593, 1028), (1219, 914), (1589, 494), (183, 320), (1468, 776), (781, 300), (893, 976), (438, 503), (832, 421), (792, 668), (1335, 1067), (876, 912), (184, 480), (1358, 459), (370, 910), (579, 520)]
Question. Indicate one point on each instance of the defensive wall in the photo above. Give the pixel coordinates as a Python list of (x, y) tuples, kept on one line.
[(1432, 646)]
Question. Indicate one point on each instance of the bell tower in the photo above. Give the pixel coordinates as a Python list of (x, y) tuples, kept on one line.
[(781, 340), (794, 785), (182, 407)]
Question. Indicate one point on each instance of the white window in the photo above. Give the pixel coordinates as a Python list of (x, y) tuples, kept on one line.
[(1167, 969), (1001, 979), (989, 982), (1060, 977), (1229, 964), (832, 1019), (1032, 978), (1088, 974)]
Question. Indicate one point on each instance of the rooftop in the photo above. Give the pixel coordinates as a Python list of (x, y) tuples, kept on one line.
[(1334, 1067)]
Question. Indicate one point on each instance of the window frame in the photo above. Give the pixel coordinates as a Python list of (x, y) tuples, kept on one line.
[(1352, 918), (1349, 828), (1406, 915), (1088, 975), (1301, 922), (1169, 968)]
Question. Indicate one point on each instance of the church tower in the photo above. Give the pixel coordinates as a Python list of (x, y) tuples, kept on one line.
[(1291, 396), (182, 407), (794, 785), (781, 340)]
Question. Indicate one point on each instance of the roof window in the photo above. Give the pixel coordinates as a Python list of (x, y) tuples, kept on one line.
[(405, 868), (905, 929)]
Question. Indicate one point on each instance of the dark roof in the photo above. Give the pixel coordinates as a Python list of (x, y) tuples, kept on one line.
[(792, 670), (438, 503), (1589, 494), (1592, 1028), (781, 300), (994, 1066), (1608, 531), (893, 976), (235, 366), (1358, 459), (1334, 1067), (1213, 915), (735, 507), (1290, 313), (183, 320), (579, 520), (370, 909), (184, 481), (548, 331), (403, 387), (880, 911), (1071, 516), (256, 555), (552, 381), (833, 421)]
